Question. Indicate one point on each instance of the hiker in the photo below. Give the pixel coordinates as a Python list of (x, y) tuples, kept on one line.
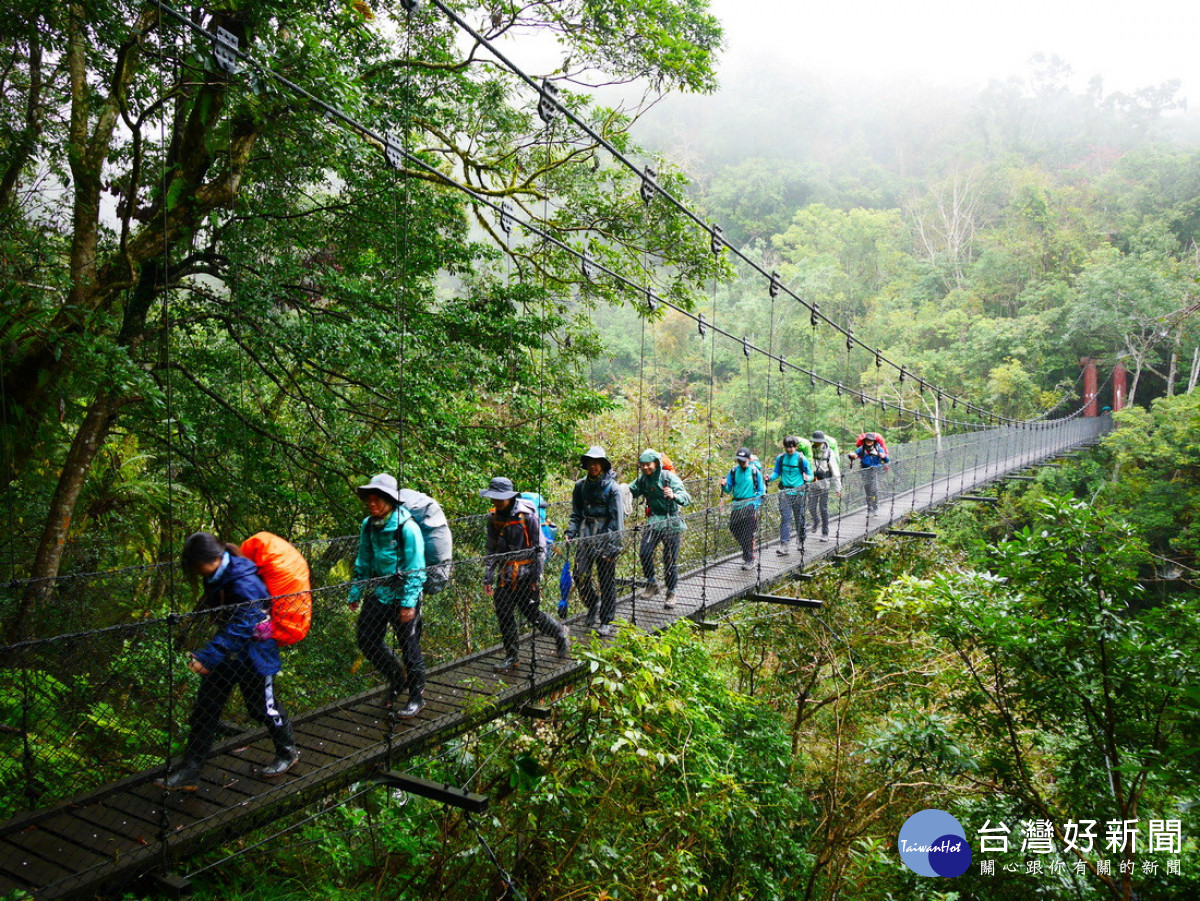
[(664, 494), (873, 458), (825, 472), (596, 529), (793, 471), (516, 554), (391, 550), (237, 655), (745, 484)]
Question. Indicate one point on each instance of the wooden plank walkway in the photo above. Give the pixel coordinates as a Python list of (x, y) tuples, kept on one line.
[(122, 830)]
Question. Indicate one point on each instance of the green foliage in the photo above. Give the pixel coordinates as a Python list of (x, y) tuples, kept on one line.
[(682, 788), (1158, 477), (1077, 700), (265, 312)]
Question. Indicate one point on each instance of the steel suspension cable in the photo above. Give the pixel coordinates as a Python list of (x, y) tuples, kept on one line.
[(340, 115)]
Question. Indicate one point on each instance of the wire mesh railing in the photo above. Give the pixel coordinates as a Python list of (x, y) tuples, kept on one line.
[(89, 700)]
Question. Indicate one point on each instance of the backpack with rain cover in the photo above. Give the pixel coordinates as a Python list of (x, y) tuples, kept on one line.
[(626, 495), (549, 529), (830, 443), (285, 573), (880, 444), (435, 530)]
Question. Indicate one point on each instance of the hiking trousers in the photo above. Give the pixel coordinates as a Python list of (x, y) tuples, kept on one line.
[(588, 556), (818, 507), (373, 622), (526, 599), (791, 507), (670, 541), (258, 691), (871, 476), (743, 522)]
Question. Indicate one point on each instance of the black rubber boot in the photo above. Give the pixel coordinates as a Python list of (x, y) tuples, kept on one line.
[(285, 759), (507, 665), (184, 779), (412, 708)]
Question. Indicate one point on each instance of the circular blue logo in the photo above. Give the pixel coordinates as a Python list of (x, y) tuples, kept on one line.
[(932, 843)]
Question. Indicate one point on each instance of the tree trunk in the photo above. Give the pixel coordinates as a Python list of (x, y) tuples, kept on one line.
[(87, 443), (1195, 371), (1137, 374), (1173, 368)]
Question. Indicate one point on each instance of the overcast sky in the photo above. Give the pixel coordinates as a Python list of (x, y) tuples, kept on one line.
[(1130, 45)]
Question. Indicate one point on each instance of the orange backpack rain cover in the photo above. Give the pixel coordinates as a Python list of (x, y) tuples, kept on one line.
[(285, 572)]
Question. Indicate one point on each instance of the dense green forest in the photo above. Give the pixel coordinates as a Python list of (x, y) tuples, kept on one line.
[(1033, 665), (222, 308)]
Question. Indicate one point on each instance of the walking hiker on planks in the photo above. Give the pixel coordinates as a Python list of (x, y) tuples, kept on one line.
[(793, 472), (241, 655), (745, 484), (825, 474), (596, 532), (390, 577), (516, 555), (664, 494)]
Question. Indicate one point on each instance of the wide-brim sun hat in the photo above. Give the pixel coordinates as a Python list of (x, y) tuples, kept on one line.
[(818, 437), (595, 452), (499, 489), (381, 484)]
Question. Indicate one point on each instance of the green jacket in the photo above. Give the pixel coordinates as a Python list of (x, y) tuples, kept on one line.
[(378, 556), (664, 514)]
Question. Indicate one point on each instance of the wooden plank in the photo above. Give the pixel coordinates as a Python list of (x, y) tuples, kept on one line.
[(134, 808), (182, 806), (13, 875), (100, 839), (45, 852), (137, 831)]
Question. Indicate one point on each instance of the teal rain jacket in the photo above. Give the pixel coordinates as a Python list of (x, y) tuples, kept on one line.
[(664, 514), (379, 556)]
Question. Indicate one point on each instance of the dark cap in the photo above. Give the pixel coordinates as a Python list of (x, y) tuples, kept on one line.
[(743, 454), (499, 489)]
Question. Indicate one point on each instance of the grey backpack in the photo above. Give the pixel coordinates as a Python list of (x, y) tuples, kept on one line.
[(439, 545)]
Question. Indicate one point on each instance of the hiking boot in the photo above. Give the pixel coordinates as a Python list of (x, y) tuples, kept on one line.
[(749, 564), (507, 665), (562, 641), (608, 630), (285, 759), (184, 779), (669, 600), (783, 550), (412, 708), (824, 536), (590, 622), (650, 590)]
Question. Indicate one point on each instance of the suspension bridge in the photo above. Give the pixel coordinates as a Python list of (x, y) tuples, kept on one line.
[(93, 708), (87, 740)]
